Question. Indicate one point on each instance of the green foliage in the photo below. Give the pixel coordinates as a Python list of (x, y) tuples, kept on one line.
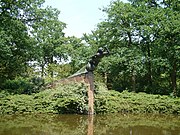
[(17, 104), (79, 53), (16, 49), (30, 35), (73, 98), (127, 102), (142, 37), (64, 99), (49, 39), (23, 85)]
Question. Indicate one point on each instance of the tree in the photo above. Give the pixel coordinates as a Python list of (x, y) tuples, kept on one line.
[(144, 39), (29, 33), (15, 41), (119, 34), (49, 36), (165, 36)]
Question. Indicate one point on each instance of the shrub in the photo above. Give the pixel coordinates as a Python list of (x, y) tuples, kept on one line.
[(72, 98), (23, 86)]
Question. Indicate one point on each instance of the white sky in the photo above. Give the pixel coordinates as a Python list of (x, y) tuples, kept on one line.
[(81, 16)]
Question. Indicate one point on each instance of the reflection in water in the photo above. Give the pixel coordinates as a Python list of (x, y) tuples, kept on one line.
[(114, 124), (90, 125)]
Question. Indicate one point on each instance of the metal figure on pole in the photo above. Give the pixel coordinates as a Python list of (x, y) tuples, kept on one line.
[(95, 59)]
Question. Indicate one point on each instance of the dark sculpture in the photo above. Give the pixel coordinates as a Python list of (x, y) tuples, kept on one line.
[(95, 59)]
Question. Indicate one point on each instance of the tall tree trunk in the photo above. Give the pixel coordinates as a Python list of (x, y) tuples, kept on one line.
[(108, 81), (130, 39), (42, 70), (133, 82), (173, 78), (51, 62)]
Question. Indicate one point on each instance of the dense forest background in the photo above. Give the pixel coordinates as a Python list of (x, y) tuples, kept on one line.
[(143, 37)]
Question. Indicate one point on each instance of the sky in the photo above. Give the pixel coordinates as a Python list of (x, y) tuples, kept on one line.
[(81, 16)]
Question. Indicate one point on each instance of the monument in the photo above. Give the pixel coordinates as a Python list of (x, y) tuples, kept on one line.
[(86, 75)]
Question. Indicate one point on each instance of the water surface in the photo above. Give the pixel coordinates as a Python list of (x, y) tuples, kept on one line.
[(114, 124)]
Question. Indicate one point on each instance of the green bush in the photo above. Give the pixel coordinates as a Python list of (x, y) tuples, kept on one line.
[(72, 98), (130, 102), (23, 86)]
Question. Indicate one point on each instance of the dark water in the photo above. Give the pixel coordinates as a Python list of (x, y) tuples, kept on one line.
[(114, 124)]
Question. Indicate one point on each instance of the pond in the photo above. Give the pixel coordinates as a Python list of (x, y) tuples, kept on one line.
[(113, 124)]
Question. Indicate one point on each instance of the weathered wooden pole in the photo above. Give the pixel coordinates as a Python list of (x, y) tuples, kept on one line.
[(90, 80)]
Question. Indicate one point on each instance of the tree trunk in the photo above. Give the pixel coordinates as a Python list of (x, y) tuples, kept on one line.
[(130, 39), (173, 78), (42, 70), (133, 81), (51, 72), (108, 81)]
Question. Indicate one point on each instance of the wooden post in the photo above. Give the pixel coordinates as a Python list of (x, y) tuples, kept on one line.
[(90, 80)]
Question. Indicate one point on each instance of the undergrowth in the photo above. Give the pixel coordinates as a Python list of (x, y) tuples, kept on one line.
[(72, 98)]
